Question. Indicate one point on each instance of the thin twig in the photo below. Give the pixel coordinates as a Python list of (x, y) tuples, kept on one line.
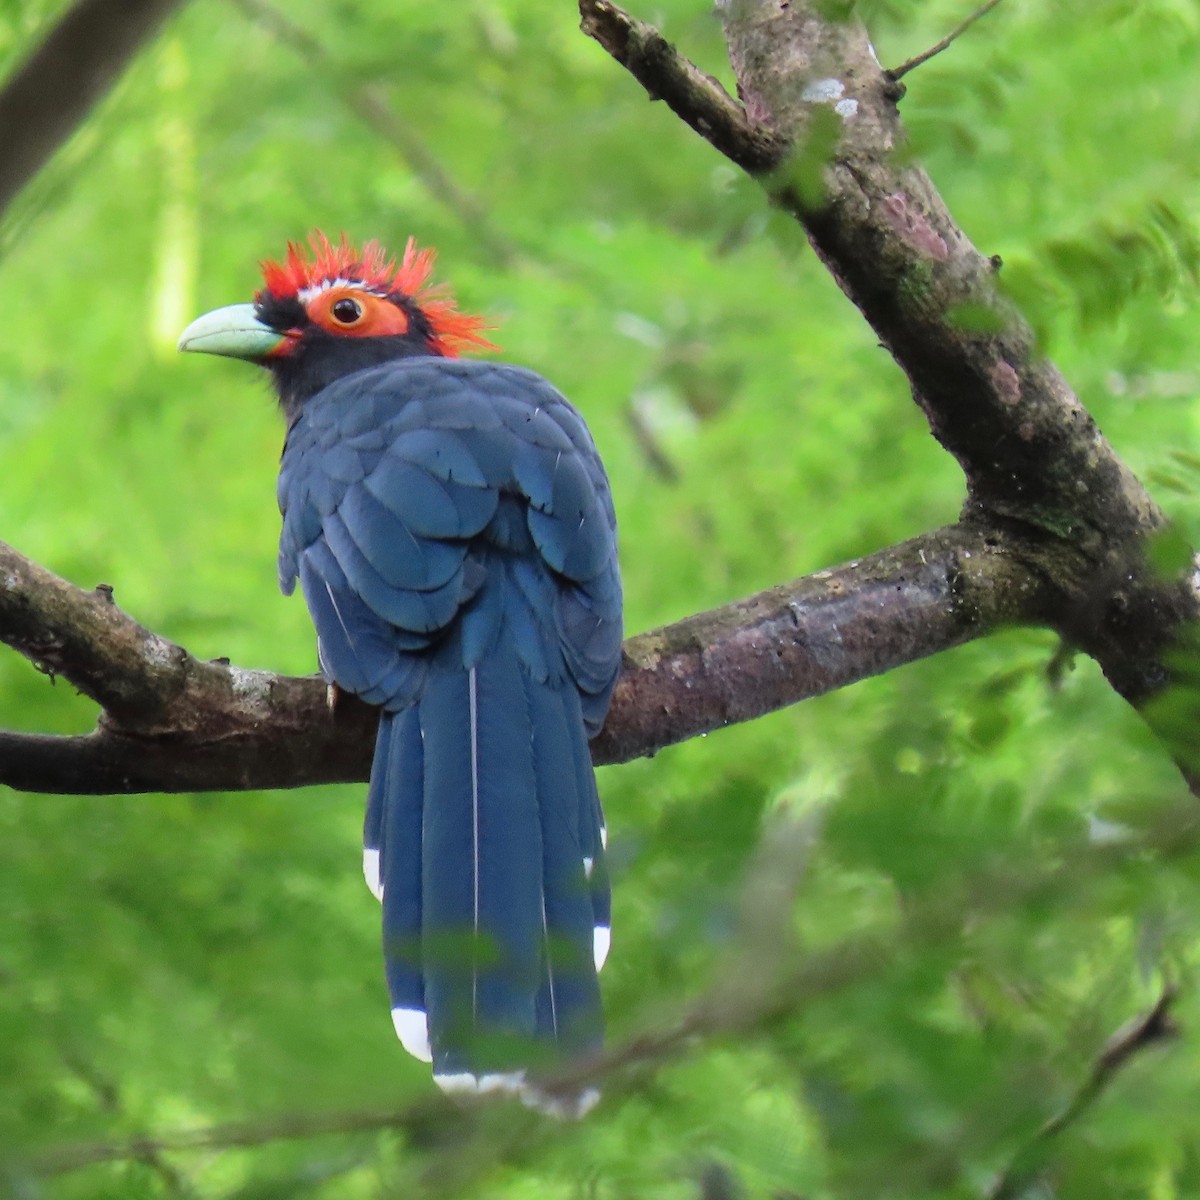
[(108, 1098), (646, 440), (954, 34), (786, 983), (368, 102), (619, 1070), (432, 1112), (1150, 1029), (771, 884)]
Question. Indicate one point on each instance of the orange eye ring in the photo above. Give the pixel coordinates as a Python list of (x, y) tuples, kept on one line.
[(353, 312)]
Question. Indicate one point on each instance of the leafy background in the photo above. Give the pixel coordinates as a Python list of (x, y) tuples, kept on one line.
[(1001, 852)]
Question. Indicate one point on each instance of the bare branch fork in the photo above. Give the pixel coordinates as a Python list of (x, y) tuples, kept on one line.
[(1036, 465), (1053, 530)]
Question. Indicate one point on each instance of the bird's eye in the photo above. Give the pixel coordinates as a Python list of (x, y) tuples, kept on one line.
[(347, 311)]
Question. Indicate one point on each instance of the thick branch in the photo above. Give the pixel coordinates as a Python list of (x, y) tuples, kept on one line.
[(1027, 446), (817, 634), (1032, 454), (56, 87), (692, 95), (1053, 533), (167, 714), (177, 724)]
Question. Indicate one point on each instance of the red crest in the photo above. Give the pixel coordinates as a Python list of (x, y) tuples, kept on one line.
[(378, 272)]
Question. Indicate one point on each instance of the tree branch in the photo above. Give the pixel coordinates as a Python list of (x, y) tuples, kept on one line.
[(1053, 532), (946, 42), (692, 95), (177, 724), (369, 104), (762, 977), (619, 1069), (427, 1115), (52, 91), (1152, 1028), (107, 1095), (820, 131)]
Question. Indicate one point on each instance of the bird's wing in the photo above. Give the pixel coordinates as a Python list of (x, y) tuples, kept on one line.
[(571, 519)]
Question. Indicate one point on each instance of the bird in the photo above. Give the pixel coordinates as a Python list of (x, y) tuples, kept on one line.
[(451, 527)]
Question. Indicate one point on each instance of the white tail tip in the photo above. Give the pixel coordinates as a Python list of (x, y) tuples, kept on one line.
[(601, 941), (512, 1083), (371, 873), (465, 1082), (412, 1028)]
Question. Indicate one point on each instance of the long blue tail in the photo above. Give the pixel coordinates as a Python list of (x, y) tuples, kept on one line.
[(484, 839)]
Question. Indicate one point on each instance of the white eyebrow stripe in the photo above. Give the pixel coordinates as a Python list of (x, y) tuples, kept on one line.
[(304, 295)]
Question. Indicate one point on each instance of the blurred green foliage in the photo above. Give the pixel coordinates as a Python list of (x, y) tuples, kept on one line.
[(1011, 867)]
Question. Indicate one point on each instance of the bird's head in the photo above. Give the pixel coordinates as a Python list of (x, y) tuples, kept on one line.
[(317, 319)]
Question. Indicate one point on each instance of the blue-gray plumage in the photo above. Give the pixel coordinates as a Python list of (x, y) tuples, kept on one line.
[(451, 527)]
